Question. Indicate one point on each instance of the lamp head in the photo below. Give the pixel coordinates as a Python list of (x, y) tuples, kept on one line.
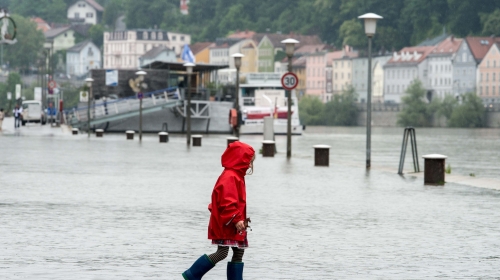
[(290, 46), (189, 67), (237, 59), (141, 74), (370, 23), (89, 81)]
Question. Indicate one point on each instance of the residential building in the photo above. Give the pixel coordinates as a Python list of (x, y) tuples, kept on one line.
[(403, 68), (160, 53), (316, 75), (440, 67), (489, 75), (266, 55), (41, 24), (299, 68), (342, 69), (479, 47), (219, 54), (201, 51), (464, 70), (177, 41), (360, 77), (81, 58), (249, 63), (122, 49), (85, 11), (59, 39)]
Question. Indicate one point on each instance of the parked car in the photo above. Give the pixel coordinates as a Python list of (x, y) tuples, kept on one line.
[(33, 112)]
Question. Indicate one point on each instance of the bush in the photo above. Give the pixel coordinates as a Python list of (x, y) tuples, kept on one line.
[(468, 114), (342, 109), (416, 111), (311, 110)]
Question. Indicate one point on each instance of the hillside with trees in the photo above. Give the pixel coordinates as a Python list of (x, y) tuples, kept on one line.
[(406, 22)]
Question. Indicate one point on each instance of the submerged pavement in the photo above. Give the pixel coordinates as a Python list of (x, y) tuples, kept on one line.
[(73, 208)]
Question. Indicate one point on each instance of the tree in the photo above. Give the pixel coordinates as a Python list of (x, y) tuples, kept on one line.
[(96, 34), (342, 109), (445, 108), (30, 42), (491, 23), (468, 114), (415, 111), (353, 34), (311, 110), (49, 10), (113, 10)]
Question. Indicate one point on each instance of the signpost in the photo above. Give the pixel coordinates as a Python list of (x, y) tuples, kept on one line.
[(289, 81)]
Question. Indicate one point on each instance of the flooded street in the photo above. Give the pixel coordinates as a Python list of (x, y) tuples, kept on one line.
[(73, 208)]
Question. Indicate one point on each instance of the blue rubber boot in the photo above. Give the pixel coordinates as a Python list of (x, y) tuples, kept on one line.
[(198, 269), (235, 271)]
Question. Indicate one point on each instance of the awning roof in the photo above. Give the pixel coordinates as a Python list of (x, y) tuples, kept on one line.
[(179, 66)]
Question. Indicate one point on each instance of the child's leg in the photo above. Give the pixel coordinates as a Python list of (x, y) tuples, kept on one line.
[(237, 254), (222, 252)]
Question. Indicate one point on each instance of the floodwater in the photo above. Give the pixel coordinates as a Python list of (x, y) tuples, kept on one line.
[(73, 208)]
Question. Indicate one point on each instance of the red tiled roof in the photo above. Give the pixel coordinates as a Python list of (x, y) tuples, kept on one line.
[(479, 46), (311, 48), (41, 24), (448, 46), (96, 5), (198, 47), (222, 46), (411, 55), (242, 35)]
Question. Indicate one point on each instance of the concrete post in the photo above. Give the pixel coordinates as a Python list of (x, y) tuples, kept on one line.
[(197, 140), (99, 132), (130, 134), (268, 148), (163, 137), (434, 169), (322, 155), (231, 140)]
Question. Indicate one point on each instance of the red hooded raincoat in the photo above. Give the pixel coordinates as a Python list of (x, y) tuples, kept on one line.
[(228, 205)]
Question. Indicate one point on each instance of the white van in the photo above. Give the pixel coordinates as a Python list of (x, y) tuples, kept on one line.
[(32, 112)]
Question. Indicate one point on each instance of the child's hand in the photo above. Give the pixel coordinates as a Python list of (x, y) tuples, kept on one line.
[(240, 226)]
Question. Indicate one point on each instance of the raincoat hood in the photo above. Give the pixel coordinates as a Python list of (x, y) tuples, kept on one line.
[(237, 157)]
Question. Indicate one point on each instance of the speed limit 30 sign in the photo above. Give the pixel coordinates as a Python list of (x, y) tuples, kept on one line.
[(289, 81)]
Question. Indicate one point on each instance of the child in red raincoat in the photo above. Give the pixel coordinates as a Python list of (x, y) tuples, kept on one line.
[(228, 214)]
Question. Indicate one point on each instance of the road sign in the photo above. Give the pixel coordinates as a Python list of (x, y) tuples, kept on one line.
[(52, 84), (140, 95), (289, 81)]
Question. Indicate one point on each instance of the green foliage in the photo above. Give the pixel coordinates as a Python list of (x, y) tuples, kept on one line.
[(49, 10), (113, 10), (491, 23), (468, 114), (416, 111), (353, 34), (448, 169), (445, 108), (96, 34), (311, 111), (342, 110), (12, 80), (71, 94), (30, 42)]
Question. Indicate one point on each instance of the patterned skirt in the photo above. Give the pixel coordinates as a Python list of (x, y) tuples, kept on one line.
[(231, 243)]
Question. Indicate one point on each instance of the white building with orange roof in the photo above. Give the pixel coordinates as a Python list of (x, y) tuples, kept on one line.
[(440, 67), (403, 68)]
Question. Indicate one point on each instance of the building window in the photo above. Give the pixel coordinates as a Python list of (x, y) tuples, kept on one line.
[(486, 90), (153, 36), (144, 35), (77, 15), (174, 38), (493, 90), (160, 36), (182, 38), (89, 15)]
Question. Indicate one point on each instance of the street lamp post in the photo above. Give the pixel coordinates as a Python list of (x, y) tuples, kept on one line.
[(140, 75), (89, 85), (189, 70), (289, 50), (237, 63), (370, 27)]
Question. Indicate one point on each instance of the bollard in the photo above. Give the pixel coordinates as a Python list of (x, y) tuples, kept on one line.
[(231, 140), (268, 148), (434, 169), (163, 137), (74, 131), (130, 134), (197, 140), (321, 155), (99, 132)]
